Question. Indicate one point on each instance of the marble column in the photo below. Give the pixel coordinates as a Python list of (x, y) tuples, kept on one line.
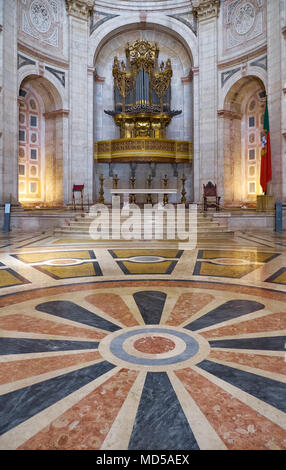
[(196, 138), (188, 106), (56, 155), (274, 88), (98, 107), (90, 135), (207, 12), (81, 158), (65, 160), (223, 134), (188, 126), (8, 103), (1, 100), (283, 79), (230, 177)]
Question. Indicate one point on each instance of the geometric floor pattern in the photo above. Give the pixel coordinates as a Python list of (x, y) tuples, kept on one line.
[(134, 354)]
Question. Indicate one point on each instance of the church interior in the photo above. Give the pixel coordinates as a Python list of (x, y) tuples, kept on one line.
[(113, 338)]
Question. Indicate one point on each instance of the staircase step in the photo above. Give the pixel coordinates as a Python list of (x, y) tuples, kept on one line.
[(214, 232), (142, 224), (79, 227)]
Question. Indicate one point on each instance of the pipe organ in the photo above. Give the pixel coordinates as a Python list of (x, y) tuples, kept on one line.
[(142, 109), (142, 86)]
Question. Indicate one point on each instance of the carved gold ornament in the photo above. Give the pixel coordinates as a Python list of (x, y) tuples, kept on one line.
[(142, 92), (142, 109)]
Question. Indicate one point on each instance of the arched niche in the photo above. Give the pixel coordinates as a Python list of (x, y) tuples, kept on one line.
[(40, 161), (129, 22), (172, 47), (169, 47), (242, 115)]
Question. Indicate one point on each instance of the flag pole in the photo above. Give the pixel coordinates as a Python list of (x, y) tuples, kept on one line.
[(266, 101), (265, 166)]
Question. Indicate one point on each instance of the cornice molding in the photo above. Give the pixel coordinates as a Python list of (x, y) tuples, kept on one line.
[(56, 113), (80, 8), (188, 78), (206, 9), (97, 78), (227, 114), (242, 58), (33, 53)]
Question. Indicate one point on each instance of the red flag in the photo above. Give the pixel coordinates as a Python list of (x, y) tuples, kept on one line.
[(265, 169)]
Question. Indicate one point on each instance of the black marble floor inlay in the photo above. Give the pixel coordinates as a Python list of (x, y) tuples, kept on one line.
[(263, 388), (160, 423), (20, 405), (30, 345), (271, 343), (150, 304), (74, 312), (227, 311)]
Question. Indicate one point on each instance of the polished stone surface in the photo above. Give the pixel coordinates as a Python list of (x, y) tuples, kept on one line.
[(149, 357)]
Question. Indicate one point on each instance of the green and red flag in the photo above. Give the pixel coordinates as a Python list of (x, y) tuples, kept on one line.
[(265, 169)]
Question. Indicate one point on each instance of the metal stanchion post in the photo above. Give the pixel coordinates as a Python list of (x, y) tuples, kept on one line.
[(278, 217)]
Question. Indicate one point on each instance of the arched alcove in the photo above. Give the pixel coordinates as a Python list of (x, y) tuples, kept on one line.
[(243, 120), (40, 143), (169, 47), (134, 22), (181, 127)]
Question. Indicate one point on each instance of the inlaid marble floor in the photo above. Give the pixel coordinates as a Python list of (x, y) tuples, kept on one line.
[(154, 349)]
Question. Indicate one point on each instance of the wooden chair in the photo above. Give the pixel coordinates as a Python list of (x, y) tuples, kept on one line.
[(211, 199), (77, 188)]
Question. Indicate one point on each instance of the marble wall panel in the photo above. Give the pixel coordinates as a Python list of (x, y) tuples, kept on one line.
[(41, 25), (243, 26)]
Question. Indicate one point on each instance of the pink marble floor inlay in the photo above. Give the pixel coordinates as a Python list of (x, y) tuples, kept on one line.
[(187, 305), (154, 345)]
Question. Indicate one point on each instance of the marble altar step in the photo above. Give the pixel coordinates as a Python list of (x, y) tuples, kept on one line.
[(79, 227), (86, 227), (86, 223), (88, 220), (87, 215)]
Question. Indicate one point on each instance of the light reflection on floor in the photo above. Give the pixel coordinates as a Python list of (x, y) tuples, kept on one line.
[(114, 348)]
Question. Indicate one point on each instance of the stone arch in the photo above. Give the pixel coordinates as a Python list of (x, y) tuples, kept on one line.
[(256, 73), (49, 84), (41, 153), (177, 42), (237, 130), (239, 89), (169, 25), (169, 48)]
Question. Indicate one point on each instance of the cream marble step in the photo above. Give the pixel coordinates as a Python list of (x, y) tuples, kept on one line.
[(79, 227), (89, 219), (82, 224), (70, 230), (92, 217), (209, 232)]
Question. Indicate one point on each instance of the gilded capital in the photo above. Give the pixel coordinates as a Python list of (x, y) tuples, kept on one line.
[(206, 9), (80, 8)]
